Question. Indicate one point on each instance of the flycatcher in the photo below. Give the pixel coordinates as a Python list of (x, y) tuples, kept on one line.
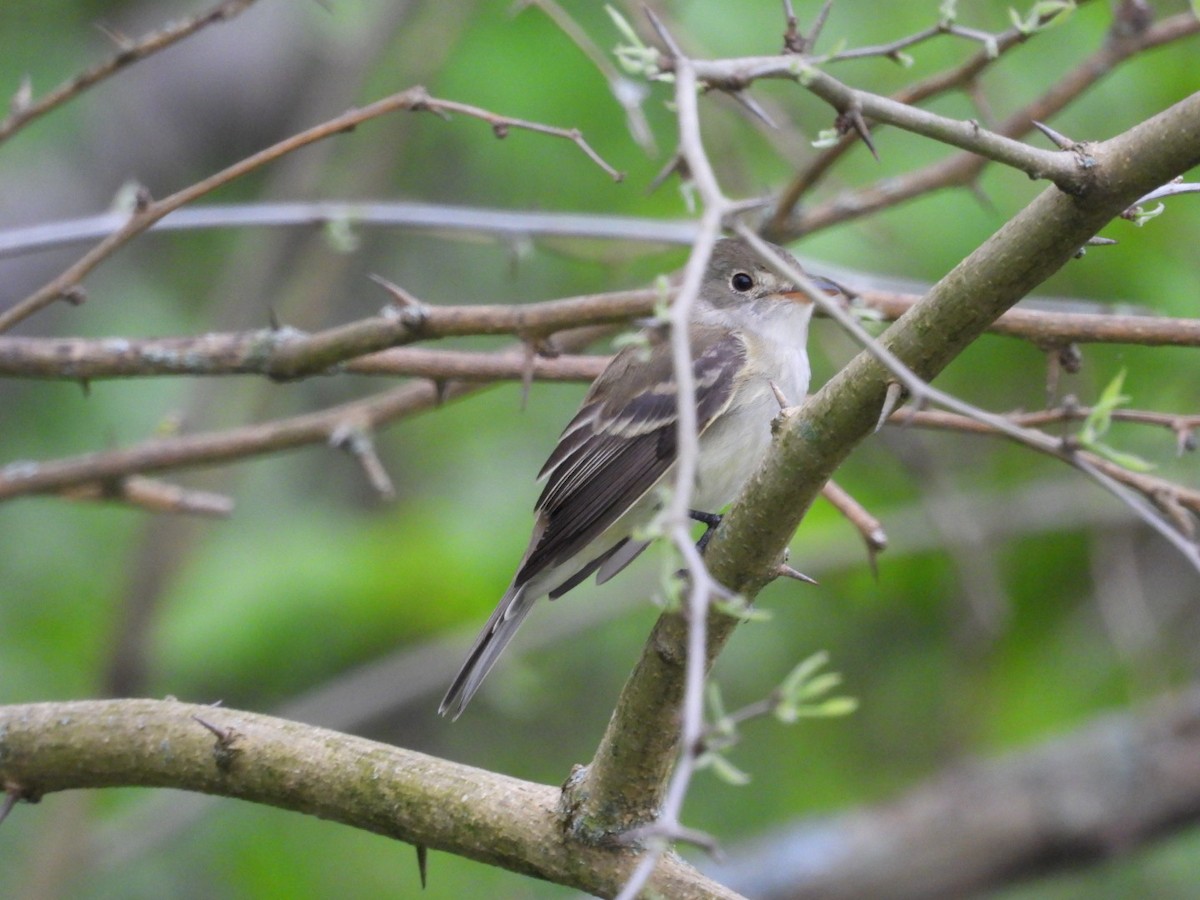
[(748, 328)]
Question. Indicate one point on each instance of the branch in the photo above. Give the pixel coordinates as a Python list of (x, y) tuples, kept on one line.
[(1069, 171), (1102, 791), (744, 552), (25, 109), (964, 168), (28, 477), (359, 346), (147, 212), (423, 800), (436, 217)]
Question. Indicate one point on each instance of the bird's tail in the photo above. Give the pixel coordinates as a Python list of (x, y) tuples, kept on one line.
[(510, 612)]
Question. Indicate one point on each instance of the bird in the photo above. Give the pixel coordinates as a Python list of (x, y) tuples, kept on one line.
[(748, 331)]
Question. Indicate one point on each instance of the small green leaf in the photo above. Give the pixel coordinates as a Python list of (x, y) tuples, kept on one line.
[(736, 607), (1096, 425), (1130, 461), (805, 670), (340, 234), (1141, 215), (801, 692), (820, 684), (826, 137), (832, 708), (723, 769)]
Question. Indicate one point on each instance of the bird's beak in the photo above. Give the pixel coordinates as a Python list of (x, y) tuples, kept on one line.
[(827, 286)]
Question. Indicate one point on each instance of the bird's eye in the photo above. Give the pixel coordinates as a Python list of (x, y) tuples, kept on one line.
[(741, 282)]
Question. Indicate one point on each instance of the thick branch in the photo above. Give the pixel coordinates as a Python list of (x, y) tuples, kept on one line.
[(48, 747), (810, 445)]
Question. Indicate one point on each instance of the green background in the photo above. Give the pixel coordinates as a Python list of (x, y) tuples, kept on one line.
[(1058, 607)]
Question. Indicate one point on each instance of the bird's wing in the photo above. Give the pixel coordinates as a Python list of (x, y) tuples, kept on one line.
[(623, 440)]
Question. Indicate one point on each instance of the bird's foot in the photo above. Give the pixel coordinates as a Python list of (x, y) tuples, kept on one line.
[(710, 521)]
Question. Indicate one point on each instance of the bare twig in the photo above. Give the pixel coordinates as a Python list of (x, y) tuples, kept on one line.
[(25, 111), (148, 212), (868, 526), (152, 495), (963, 169), (356, 346), (435, 217)]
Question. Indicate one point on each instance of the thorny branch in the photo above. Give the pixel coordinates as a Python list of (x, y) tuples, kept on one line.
[(148, 211), (961, 169), (24, 109)]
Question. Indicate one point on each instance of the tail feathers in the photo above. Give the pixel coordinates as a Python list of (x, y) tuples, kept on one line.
[(500, 629)]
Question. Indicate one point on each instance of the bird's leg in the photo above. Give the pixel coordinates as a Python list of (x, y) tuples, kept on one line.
[(710, 521)]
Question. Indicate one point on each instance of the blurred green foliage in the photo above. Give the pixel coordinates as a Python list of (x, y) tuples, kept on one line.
[(314, 576)]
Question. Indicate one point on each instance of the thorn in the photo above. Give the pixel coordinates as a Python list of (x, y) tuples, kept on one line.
[(1061, 141), (441, 390), (422, 864), (852, 119), (356, 440), (1100, 241), (273, 319), (753, 107), (981, 196), (783, 570), (892, 399), (11, 796), (676, 164), (672, 47), (780, 396), (118, 37), (818, 24), (224, 753), (413, 311), (527, 372), (873, 562), (1185, 440), (85, 385)]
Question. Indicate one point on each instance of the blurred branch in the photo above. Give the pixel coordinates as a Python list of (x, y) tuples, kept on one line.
[(961, 169), (1105, 790), (147, 211), (152, 495), (408, 796), (24, 109), (183, 451), (437, 217)]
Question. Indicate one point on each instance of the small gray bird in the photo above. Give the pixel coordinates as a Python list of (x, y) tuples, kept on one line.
[(748, 328)]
